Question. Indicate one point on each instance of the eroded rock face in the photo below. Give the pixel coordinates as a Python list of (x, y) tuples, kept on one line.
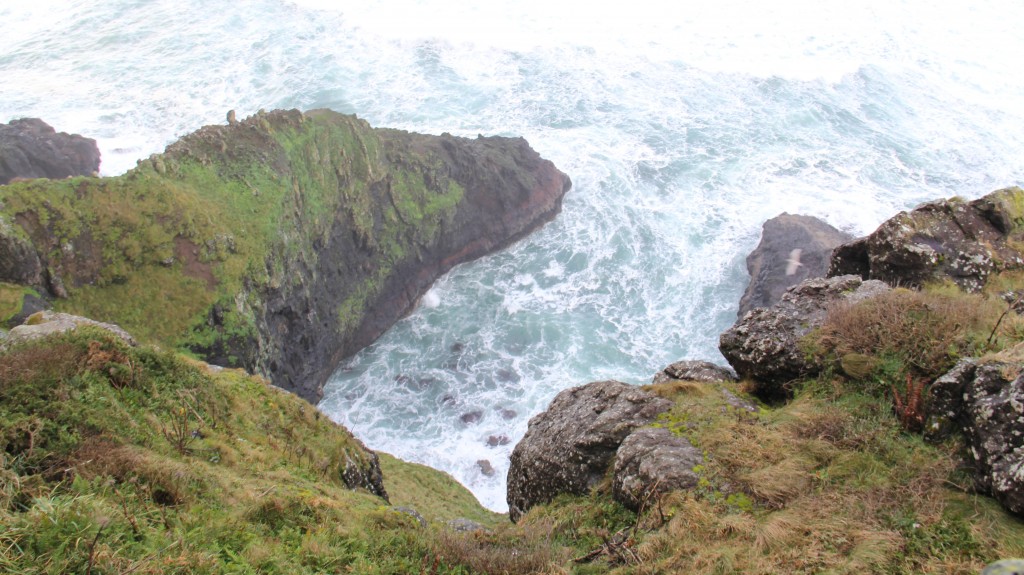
[(764, 345), (567, 449), (962, 241), (691, 370), (653, 461), (792, 248), (30, 148)]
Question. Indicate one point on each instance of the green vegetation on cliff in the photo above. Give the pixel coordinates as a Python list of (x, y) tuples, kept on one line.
[(116, 459)]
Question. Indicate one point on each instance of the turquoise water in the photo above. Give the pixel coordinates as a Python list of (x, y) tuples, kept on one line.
[(683, 128)]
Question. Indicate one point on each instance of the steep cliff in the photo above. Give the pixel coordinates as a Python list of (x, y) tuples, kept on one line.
[(281, 243)]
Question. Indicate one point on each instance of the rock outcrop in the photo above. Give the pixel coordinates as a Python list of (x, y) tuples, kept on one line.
[(568, 448), (280, 243), (653, 461), (47, 323), (792, 248), (947, 239), (30, 148), (986, 401), (688, 370), (764, 346)]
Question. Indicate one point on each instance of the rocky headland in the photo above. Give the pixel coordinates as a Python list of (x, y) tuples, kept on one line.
[(31, 148), (280, 243)]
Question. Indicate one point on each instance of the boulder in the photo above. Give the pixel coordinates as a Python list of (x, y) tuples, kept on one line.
[(764, 346), (792, 248), (567, 449), (703, 371), (47, 323), (30, 148), (947, 239), (652, 461), (986, 401)]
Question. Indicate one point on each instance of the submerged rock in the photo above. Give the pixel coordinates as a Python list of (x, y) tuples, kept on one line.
[(568, 447), (793, 248), (947, 239), (30, 148), (764, 346), (653, 461)]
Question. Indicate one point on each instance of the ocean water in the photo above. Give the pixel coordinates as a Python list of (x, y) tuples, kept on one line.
[(684, 127)]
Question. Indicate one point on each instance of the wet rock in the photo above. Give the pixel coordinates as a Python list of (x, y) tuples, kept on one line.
[(46, 323), (507, 414), (792, 248), (471, 417), (695, 371), (485, 467), (30, 304), (506, 376), (30, 148), (651, 462), (568, 447), (947, 239), (496, 440), (764, 346)]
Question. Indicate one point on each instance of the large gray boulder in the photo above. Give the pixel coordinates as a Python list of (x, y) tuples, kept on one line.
[(652, 461), (793, 248), (694, 370), (568, 448), (764, 345), (47, 323), (30, 148), (947, 239), (986, 401)]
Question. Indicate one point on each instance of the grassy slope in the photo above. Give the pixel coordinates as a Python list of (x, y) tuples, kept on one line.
[(218, 216), (116, 459)]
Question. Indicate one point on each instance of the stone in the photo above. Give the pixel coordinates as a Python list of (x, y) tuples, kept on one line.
[(46, 323), (471, 417), (411, 513), (463, 525), (653, 461), (964, 242), (31, 148), (764, 346), (485, 467), (496, 440), (793, 248), (568, 447), (702, 371)]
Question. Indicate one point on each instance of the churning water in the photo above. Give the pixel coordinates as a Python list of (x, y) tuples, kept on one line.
[(683, 126)]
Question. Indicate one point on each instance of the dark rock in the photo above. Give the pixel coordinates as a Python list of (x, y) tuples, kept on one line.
[(496, 440), (948, 239), (703, 371), (652, 461), (507, 414), (362, 471), (485, 467), (30, 148), (764, 346), (30, 304), (792, 248), (567, 449), (471, 417), (986, 401)]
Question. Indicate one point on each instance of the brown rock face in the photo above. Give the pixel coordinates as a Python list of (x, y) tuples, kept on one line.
[(568, 448), (792, 248), (962, 241), (30, 148)]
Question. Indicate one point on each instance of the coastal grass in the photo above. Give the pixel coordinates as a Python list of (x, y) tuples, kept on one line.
[(116, 459)]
